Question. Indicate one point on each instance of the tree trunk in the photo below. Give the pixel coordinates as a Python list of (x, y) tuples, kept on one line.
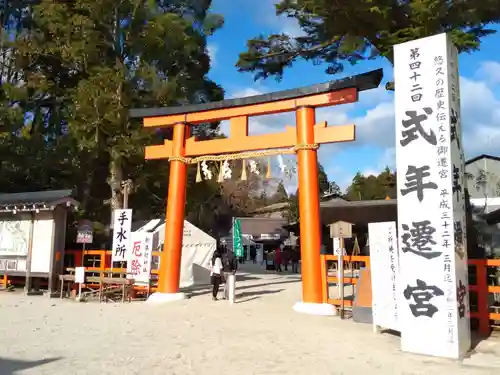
[(115, 183)]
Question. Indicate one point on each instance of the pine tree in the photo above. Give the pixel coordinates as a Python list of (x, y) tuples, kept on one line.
[(280, 195), (351, 31)]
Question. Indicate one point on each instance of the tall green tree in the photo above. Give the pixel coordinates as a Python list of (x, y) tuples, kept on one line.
[(326, 188), (323, 182), (73, 71), (280, 195), (372, 187), (94, 59), (350, 31), (293, 214)]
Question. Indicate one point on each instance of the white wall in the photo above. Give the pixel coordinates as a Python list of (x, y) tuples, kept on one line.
[(42, 242)]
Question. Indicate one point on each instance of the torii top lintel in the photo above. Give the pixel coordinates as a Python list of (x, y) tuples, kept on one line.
[(238, 110)]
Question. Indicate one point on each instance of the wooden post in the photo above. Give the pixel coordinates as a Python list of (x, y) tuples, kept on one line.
[(170, 257), (309, 208), (482, 297), (27, 283), (340, 277), (126, 192), (324, 278)]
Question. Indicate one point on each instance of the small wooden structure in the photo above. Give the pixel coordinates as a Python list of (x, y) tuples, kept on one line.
[(33, 234)]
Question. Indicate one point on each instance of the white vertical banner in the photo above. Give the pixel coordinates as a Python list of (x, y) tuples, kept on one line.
[(121, 235), (434, 301), (336, 247), (384, 263), (139, 259)]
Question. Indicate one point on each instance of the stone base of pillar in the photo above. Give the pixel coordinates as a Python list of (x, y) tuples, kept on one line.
[(323, 309), (162, 298)]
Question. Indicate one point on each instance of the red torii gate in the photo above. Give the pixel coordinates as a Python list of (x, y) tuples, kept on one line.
[(305, 140)]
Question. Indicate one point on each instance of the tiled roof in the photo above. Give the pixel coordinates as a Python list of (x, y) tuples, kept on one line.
[(257, 226), (30, 201)]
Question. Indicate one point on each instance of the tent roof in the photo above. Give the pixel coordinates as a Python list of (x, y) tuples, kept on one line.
[(157, 226)]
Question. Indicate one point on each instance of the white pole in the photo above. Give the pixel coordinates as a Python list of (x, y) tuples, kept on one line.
[(341, 277), (231, 286)]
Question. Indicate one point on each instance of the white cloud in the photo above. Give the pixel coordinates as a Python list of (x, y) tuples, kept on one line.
[(370, 172), (489, 71), (212, 50), (388, 159), (480, 118), (480, 114), (265, 13), (248, 91), (290, 26)]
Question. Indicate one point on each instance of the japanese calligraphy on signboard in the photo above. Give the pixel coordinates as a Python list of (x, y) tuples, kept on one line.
[(139, 259), (384, 261), (121, 235), (431, 201), (85, 232)]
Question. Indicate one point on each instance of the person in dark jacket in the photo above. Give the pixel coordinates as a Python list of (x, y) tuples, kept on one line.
[(253, 254), (295, 260)]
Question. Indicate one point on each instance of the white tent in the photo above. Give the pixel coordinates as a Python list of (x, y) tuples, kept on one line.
[(197, 250)]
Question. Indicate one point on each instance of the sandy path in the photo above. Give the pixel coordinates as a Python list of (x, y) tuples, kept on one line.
[(260, 335)]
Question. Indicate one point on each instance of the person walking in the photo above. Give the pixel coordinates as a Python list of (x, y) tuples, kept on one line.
[(216, 274), (253, 254), (229, 267), (285, 258), (277, 259), (295, 260)]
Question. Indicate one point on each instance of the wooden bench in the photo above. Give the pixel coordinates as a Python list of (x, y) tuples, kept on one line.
[(125, 285)]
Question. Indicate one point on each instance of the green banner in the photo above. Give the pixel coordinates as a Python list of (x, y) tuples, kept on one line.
[(237, 238)]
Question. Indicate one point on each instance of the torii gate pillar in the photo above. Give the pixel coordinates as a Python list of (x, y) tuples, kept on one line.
[(304, 139), (310, 244)]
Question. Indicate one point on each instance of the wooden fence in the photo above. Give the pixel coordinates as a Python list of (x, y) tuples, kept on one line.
[(478, 286), (100, 260)]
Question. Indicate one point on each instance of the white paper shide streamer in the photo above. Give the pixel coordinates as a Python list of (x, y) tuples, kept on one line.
[(206, 171), (226, 170)]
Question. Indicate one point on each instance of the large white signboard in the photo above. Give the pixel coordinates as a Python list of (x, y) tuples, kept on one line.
[(384, 263), (139, 259), (122, 240), (14, 237), (434, 301)]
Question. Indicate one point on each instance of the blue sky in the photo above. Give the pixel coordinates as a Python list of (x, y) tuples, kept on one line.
[(373, 114)]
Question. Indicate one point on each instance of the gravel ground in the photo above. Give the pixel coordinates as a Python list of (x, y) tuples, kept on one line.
[(260, 334)]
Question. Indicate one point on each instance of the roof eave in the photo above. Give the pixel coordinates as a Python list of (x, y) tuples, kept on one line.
[(361, 82), (22, 207)]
